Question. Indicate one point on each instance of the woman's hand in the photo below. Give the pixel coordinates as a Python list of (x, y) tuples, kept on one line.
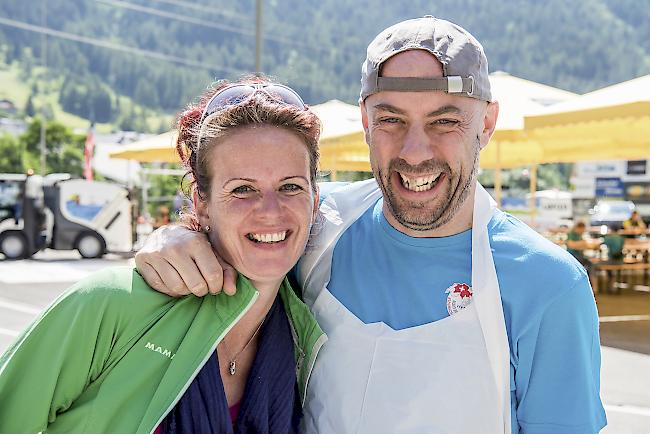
[(177, 261)]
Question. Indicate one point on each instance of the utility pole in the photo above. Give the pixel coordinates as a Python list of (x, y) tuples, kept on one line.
[(258, 36), (43, 87)]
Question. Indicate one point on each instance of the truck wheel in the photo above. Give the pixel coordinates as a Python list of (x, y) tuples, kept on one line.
[(13, 245), (90, 245)]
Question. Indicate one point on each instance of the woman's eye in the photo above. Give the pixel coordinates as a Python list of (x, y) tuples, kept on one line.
[(243, 189), (291, 188)]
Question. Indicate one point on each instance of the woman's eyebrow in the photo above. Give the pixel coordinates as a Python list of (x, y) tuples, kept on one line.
[(238, 179), (295, 176)]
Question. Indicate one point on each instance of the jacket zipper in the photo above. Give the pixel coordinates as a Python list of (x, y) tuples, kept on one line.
[(205, 359)]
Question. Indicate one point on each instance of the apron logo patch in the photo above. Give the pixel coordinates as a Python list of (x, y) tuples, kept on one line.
[(459, 297)]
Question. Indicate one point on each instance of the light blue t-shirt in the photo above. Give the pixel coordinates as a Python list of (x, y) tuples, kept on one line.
[(380, 274)]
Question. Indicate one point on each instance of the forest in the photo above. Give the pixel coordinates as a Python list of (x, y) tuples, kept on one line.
[(316, 47)]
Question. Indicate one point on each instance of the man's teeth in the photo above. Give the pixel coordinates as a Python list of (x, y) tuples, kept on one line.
[(422, 183), (268, 238)]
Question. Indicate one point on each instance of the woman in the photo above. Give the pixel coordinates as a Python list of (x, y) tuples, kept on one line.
[(113, 356)]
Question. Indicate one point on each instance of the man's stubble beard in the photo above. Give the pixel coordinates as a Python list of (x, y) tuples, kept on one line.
[(457, 191)]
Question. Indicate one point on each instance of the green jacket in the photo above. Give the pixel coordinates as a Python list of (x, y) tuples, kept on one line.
[(111, 355)]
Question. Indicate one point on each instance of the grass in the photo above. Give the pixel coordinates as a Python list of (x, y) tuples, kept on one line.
[(17, 90), (11, 87)]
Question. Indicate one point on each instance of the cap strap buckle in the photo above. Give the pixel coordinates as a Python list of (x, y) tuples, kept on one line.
[(451, 84)]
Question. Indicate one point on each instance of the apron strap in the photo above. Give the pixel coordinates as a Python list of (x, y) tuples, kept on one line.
[(488, 301), (339, 211)]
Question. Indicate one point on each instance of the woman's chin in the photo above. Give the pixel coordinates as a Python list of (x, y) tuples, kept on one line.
[(266, 272)]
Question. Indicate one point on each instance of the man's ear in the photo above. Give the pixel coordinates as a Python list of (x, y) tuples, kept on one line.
[(489, 122), (201, 208), (364, 120)]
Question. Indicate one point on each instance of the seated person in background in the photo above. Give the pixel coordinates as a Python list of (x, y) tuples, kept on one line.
[(634, 223), (576, 244), (614, 243)]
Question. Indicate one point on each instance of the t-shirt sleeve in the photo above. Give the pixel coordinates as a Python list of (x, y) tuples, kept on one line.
[(558, 373)]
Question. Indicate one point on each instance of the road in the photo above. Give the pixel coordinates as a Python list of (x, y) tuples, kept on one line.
[(28, 286)]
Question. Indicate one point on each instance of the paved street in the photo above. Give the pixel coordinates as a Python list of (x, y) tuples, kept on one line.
[(26, 287)]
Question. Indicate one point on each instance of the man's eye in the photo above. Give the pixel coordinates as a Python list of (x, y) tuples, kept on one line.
[(389, 120), (445, 122), (291, 188)]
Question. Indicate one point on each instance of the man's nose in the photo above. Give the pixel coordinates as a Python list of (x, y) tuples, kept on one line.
[(416, 146)]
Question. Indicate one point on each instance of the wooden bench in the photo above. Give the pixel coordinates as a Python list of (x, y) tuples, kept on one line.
[(614, 271)]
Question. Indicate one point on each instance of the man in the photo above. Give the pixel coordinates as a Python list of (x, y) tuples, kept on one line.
[(576, 243), (634, 223), (443, 314)]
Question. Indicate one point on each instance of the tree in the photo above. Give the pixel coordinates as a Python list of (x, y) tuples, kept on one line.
[(27, 63), (145, 93), (11, 160), (127, 120), (29, 106), (87, 97), (64, 150)]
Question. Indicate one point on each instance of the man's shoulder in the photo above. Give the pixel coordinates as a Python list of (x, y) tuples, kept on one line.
[(531, 258)]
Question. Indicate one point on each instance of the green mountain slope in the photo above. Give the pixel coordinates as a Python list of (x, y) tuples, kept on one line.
[(317, 47)]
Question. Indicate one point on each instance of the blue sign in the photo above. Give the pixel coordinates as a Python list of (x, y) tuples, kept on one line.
[(610, 187)]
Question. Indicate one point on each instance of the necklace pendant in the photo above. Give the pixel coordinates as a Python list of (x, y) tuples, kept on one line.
[(232, 367)]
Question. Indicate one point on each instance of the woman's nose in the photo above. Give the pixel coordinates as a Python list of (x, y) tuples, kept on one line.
[(269, 206)]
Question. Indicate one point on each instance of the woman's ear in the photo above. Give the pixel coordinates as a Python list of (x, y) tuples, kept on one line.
[(316, 204), (201, 208)]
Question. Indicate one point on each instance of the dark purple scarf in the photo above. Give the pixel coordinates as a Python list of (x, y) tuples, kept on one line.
[(270, 402)]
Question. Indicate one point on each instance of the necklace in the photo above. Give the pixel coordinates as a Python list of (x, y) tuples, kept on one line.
[(232, 365)]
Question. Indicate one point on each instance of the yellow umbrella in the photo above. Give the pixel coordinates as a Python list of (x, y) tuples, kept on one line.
[(510, 146), (342, 143), (612, 123), (158, 148)]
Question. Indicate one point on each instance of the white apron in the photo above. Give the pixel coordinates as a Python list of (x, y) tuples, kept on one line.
[(448, 376)]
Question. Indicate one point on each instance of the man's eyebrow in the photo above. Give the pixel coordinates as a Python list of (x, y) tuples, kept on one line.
[(389, 108), (445, 110), (441, 111)]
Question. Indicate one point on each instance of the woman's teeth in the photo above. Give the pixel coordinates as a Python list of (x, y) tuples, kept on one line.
[(267, 238), (422, 183)]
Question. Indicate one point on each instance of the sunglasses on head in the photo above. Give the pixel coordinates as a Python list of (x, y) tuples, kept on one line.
[(236, 93)]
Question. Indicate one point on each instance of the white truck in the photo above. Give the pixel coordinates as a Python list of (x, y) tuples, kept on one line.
[(61, 213)]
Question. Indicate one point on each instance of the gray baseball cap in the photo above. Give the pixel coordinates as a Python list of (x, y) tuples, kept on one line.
[(464, 65)]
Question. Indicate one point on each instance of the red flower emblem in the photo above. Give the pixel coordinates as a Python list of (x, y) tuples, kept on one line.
[(463, 290)]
